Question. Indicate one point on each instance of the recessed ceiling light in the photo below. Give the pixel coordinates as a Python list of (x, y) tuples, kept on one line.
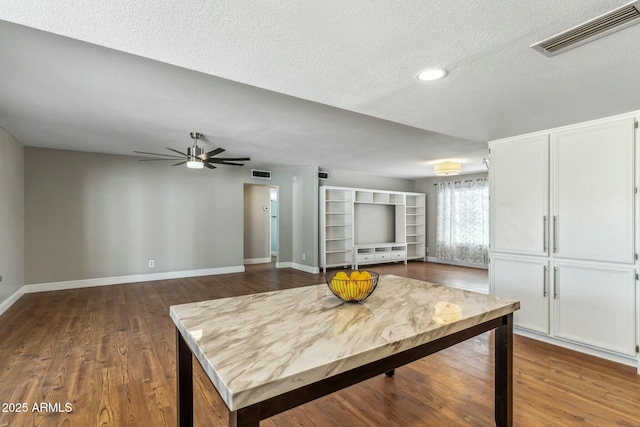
[(431, 74)]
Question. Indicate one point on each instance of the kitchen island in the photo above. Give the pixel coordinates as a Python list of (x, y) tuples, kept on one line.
[(269, 352)]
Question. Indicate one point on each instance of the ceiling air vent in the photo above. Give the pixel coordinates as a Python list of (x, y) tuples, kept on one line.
[(608, 23), (255, 173), (323, 175)]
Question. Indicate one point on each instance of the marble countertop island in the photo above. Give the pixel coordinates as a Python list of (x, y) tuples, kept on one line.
[(254, 347)]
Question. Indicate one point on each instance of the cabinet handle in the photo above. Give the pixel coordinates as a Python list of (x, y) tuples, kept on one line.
[(544, 232), (555, 282), (555, 242), (544, 282)]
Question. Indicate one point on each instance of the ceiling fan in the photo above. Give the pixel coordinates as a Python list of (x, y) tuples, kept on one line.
[(195, 157)]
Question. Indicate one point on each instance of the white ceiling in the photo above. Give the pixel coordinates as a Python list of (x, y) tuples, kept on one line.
[(355, 60)]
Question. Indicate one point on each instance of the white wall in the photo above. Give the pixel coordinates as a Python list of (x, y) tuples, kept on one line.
[(11, 215)]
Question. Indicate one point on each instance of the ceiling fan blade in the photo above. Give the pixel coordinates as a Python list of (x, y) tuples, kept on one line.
[(211, 153), (224, 159), (229, 163), (176, 151), (155, 160), (181, 163), (210, 166), (158, 154)]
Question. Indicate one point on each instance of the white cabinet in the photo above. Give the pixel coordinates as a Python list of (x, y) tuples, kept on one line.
[(525, 280), (519, 195), (363, 226), (563, 229), (372, 253), (594, 192), (595, 305)]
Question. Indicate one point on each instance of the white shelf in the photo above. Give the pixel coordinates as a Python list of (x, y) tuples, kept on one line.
[(405, 219)]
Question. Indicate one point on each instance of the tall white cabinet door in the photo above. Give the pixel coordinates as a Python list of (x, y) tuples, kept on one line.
[(596, 306), (519, 189), (594, 191), (527, 282)]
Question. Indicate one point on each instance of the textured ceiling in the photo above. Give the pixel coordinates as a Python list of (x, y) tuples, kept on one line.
[(360, 56)]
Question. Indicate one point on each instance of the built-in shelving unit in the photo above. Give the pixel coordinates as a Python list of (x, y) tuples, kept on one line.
[(336, 223), (364, 226), (415, 224)]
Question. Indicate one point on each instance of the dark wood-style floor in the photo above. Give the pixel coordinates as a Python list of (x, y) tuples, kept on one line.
[(110, 352)]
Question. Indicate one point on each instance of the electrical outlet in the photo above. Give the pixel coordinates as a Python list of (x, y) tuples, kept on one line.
[(427, 249), (152, 263), (304, 256)]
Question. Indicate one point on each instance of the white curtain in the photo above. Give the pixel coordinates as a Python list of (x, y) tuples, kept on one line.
[(462, 221)]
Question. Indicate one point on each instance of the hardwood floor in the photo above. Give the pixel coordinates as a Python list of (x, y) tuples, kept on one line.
[(110, 353)]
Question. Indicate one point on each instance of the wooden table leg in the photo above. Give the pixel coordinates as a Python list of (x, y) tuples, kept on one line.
[(245, 417), (184, 379), (504, 372)]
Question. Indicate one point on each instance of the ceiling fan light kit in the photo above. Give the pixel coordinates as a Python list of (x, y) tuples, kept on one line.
[(195, 157)]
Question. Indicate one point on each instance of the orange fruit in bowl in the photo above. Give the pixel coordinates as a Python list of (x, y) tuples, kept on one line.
[(341, 275), (355, 275)]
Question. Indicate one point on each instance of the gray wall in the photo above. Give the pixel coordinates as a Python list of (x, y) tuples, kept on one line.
[(427, 185), (305, 216), (95, 215), (340, 178), (90, 215), (282, 179), (256, 221), (11, 215)]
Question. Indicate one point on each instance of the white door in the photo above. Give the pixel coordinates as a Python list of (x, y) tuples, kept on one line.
[(519, 195), (595, 305), (594, 192), (527, 282)]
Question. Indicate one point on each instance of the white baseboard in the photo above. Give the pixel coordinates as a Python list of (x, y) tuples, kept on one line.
[(460, 264), (305, 268), (296, 266), (104, 281), (4, 306), (284, 264), (257, 261)]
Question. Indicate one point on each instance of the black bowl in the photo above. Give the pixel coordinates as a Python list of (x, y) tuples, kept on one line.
[(349, 290)]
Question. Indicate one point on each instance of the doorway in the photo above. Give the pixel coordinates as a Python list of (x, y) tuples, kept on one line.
[(260, 224)]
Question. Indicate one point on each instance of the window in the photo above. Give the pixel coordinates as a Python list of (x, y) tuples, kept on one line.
[(462, 221)]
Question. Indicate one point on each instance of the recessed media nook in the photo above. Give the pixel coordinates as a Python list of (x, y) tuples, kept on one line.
[(362, 226)]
